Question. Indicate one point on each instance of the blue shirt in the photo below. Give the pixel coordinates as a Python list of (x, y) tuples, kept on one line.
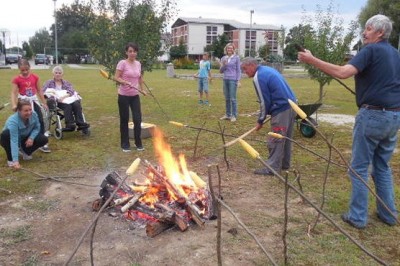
[(19, 130), (378, 79), (204, 68), (272, 91)]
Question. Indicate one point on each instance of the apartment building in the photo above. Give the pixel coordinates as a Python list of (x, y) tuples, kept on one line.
[(197, 33)]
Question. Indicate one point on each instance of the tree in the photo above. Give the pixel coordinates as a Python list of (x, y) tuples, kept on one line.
[(295, 36), (40, 40), (73, 24), (389, 8), (27, 50), (177, 52), (118, 23), (328, 42), (217, 47), (263, 51)]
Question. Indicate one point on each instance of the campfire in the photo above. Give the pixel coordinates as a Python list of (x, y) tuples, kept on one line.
[(162, 195)]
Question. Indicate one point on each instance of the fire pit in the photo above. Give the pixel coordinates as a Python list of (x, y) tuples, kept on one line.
[(161, 196)]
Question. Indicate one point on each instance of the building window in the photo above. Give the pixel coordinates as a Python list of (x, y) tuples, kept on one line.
[(212, 34), (250, 42)]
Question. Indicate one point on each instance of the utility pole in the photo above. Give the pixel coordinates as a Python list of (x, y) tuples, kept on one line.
[(55, 31), (250, 35), (4, 32)]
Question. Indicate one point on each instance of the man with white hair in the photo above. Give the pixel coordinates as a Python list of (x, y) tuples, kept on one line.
[(376, 69)]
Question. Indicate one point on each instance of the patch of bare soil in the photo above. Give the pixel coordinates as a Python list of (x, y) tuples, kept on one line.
[(54, 230)]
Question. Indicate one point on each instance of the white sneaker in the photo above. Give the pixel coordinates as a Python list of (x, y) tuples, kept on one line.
[(45, 149), (25, 156), (233, 119), (225, 117), (126, 150), (10, 163)]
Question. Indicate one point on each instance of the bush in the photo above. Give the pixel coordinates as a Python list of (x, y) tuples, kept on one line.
[(159, 65), (184, 63), (215, 64)]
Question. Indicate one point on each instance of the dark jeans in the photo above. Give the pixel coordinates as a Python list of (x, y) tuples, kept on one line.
[(38, 142), (124, 103), (72, 113), (39, 112)]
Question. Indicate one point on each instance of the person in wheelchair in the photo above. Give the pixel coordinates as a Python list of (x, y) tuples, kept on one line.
[(67, 99)]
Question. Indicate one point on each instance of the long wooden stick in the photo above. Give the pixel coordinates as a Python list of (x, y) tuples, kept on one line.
[(107, 76), (338, 227), (271, 259), (244, 134)]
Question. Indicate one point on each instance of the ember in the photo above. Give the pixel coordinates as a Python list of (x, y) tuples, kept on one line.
[(163, 196)]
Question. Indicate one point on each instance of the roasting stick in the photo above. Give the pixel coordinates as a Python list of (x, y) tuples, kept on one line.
[(255, 155), (107, 76), (301, 49), (245, 134), (4, 105), (42, 177), (155, 99), (132, 169), (6, 190)]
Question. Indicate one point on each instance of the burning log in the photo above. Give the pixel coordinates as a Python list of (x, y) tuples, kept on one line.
[(156, 228), (192, 208), (122, 200), (177, 219), (131, 202)]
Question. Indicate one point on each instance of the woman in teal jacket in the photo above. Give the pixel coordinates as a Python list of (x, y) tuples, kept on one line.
[(21, 134)]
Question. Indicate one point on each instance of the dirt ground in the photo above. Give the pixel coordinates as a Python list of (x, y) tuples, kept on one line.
[(56, 219)]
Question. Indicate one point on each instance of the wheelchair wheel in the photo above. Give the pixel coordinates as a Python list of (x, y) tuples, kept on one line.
[(306, 128), (58, 133)]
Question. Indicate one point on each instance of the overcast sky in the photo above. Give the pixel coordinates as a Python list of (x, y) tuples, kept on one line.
[(22, 18)]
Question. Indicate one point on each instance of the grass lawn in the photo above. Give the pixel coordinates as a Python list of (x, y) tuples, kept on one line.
[(101, 152)]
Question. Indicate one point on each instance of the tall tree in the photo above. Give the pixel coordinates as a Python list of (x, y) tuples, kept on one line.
[(328, 41), (73, 27), (40, 41), (118, 23), (180, 51), (295, 36), (27, 50), (217, 47), (390, 8)]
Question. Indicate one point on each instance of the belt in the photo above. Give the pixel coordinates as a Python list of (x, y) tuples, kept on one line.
[(372, 107)]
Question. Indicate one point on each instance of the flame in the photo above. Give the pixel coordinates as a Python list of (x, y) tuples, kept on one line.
[(175, 170)]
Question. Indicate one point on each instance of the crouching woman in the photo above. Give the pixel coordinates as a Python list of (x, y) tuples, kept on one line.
[(21, 134)]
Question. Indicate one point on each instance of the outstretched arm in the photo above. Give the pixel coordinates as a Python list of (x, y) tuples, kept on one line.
[(341, 72)]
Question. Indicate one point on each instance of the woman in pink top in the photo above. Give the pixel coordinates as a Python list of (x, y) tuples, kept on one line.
[(129, 76)]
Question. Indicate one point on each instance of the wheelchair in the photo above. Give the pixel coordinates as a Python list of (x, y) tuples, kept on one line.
[(55, 116)]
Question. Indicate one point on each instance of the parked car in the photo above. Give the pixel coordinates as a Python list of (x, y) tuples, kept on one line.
[(12, 58), (41, 59)]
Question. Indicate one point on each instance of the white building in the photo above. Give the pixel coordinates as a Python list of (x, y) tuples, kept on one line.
[(197, 33)]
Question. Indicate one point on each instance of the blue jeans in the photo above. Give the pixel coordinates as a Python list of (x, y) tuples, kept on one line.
[(230, 88), (203, 85), (374, 140)]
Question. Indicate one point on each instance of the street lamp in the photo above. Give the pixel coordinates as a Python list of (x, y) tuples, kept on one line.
[(250, 35), (4, 32), (55, 31)]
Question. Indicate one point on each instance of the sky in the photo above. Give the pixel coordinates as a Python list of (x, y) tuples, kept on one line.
[(20, 19)]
